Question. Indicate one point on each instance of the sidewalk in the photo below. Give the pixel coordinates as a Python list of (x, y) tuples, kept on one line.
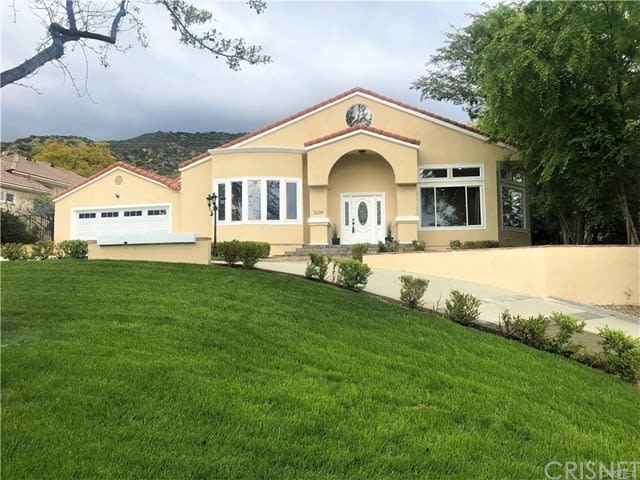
[(385, 282)]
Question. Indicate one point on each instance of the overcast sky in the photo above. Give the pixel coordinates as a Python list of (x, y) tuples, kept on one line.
[(319, 49)]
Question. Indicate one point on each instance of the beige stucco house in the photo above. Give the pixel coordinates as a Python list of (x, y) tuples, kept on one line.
[(359, 163)]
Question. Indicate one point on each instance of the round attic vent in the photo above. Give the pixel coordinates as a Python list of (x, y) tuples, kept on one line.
[(119, 180)]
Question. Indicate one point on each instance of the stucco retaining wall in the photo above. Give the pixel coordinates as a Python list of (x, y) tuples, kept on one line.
[(586, 274), (198, 252)]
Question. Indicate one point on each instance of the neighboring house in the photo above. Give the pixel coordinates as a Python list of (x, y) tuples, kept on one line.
[(359, 161), (22, 180)]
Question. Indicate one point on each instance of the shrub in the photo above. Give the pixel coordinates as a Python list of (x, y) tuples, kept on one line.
[(621, 354), (529, 330), (230, 251), (388, 246), (567, 328), (14, 230), (455, 244), (471, 244), (412, 291), (72, 249), (318, 266), (265, 249), (43, 249), (461, 307), (353, 274), (250, 253), (358, 250), (14, 251), (419, 245)]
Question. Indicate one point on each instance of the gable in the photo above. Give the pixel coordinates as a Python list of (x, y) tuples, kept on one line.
[(329, 116)]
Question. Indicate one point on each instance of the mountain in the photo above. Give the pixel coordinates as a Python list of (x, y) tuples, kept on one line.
[(159, 152)]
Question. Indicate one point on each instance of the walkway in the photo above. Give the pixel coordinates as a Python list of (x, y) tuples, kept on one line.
[(494, 300)]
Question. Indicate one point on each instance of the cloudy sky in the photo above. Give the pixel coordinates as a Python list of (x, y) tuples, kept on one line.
[(319, 49)]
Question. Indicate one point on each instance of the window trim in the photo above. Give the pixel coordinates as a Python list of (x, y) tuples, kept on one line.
[(263, 200), (4, 199), (451, 181)]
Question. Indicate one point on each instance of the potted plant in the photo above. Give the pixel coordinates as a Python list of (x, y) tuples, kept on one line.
[(389, 237), (335, 238)]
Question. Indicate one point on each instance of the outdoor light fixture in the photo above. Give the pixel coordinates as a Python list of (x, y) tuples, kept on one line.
[(212, 203)]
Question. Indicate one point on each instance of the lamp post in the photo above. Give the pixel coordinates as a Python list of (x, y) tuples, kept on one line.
[(212, 203)]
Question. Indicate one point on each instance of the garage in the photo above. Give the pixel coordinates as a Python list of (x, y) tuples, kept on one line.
[(92, 223)]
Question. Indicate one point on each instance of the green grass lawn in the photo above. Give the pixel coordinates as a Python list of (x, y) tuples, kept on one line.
[(143, 370)]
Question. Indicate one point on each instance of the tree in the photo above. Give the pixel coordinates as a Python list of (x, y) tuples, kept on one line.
[(84, 158), (96, 27), (560, 81)]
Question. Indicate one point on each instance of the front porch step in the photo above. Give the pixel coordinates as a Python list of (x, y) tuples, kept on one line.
[(330, 250)]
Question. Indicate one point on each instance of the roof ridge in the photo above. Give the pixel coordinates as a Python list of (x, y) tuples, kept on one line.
[(200, 156)]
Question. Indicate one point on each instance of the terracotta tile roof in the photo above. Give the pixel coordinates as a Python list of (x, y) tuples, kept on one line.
[(169, 182), (194, 159), (339, 97), (361, 126), (47, 173)]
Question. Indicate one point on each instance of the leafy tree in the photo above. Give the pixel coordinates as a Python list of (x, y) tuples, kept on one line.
[(13, 229), (96, 27), (559, 81), (84, 158)]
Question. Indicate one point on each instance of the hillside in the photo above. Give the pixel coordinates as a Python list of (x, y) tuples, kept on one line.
[(159, 152)]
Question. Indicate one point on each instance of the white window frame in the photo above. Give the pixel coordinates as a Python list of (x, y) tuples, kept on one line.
[(4, 196), (451, 181), (263, 200)]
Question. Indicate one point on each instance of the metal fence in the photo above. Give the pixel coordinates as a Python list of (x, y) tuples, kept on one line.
[(41, 226)]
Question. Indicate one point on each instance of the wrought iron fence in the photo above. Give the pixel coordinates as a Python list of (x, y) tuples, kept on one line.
[(41, 226)]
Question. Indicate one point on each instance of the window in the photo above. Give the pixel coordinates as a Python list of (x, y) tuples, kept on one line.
[(108, 214), (292, 200), (512, 207), (85, 216), (512, 197), (153, 213), (133, 213), (273, 200), (222, 202), (236, 201), (451, 196), (8, 197), (450, 206), (260, 200)]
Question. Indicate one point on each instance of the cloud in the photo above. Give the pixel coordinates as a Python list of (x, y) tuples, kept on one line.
[(319, 49)]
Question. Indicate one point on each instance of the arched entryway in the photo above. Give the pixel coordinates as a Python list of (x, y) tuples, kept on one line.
[(361, 197)]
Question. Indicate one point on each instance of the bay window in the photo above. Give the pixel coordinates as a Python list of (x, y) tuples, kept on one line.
[(257, 200)]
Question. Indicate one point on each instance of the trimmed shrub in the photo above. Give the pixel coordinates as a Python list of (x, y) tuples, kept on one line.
[(14, 251), (621, 354), (358, 250), (14, 230), (250, 253), (318, 266), (419, 245), (529, 330), (72, 249), (353, 274), (471, 244), (567, 328), (43, 249), (265, 249), (230, 251), (388, 246), (412, 291), (461, 307)]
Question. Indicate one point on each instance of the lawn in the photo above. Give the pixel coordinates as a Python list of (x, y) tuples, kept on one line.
[(144, 370)]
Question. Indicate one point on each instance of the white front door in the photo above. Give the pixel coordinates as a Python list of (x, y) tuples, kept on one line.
[(362, 218)]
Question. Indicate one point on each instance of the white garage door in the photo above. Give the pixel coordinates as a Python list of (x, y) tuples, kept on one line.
[(89, 224)]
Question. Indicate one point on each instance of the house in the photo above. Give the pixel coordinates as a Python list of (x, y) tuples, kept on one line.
[(22, 180), (359, 163)]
